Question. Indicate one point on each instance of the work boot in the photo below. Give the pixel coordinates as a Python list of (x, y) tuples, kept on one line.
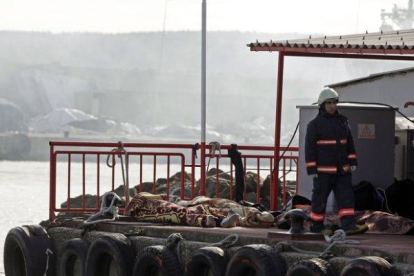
[(320, 228), (357, 229)]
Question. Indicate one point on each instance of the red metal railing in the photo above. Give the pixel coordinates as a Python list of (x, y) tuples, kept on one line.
[(178, 154)]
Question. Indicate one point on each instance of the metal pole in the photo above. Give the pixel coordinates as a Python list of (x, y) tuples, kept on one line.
[(274, 195), (203, 97)]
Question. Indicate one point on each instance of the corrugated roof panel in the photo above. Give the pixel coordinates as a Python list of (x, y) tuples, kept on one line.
[(402, 41)]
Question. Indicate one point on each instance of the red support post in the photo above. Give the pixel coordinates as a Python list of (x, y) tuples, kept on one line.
[(203, 169), (274, 195)]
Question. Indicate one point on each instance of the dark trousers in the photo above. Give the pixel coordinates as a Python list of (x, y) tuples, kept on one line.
[(344, 195)]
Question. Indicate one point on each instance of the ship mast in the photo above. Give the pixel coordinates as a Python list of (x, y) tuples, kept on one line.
[(399, 18)]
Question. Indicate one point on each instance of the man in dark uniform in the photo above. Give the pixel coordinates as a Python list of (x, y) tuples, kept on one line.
[(330, 158)]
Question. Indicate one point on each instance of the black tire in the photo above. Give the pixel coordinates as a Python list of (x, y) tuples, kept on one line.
[(256, 259), (207, 261), (25, 252), (109, 255), (157, 260), (72, 260), (312, 267), (369, 266)]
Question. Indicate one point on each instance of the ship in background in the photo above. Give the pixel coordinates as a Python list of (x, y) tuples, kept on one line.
[(399, 18)]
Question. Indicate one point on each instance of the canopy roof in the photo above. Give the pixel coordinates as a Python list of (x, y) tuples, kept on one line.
[(390, 42)]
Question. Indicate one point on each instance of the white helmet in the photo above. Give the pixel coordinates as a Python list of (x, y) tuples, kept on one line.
[(327, 93)]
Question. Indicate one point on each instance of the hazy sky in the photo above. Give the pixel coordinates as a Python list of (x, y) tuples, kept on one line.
[(114, 16)]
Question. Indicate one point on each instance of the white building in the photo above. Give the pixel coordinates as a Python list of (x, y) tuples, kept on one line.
[(394, 88)]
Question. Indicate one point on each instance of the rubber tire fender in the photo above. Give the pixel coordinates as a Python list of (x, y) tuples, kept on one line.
[(258, 258), (210, 261), (107, 249), (311, 267), (157, 258), (25, 252), (369, 266), (73, 250)]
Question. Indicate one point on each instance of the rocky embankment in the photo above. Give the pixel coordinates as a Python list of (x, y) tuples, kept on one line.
[(224, 183)]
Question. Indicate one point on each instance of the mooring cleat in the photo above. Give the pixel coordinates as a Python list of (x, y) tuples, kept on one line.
[(297, 217)]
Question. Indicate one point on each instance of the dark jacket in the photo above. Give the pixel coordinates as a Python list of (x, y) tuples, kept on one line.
[(329, 145)]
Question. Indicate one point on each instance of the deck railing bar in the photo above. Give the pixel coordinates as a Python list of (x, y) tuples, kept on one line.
[(258, 182), (154, 174), (69, 169), (113, 171), (193, 165), (182, 190), (168, 176), (231, 181), (126, 188), (284, 182), (98, 167), (83, 182), (217, 177), (244, 173), (167, 146), (140, 173)]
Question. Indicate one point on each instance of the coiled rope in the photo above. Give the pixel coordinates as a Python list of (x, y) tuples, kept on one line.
[(339, 237), (125, 169), (215, 146), (111, 209)]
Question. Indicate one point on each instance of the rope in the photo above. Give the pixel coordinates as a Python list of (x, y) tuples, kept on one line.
[(384, 198), (48, 252), (215, 146), (111, 209), (174, 240), (125, 170), (173, 243), (339, 237), (276, 166), (383, 104), (227, 242)]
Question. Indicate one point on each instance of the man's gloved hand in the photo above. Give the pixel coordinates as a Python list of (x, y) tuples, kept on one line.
[(353, 168), (313, 176)]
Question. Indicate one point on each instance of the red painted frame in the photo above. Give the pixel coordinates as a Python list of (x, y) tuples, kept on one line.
[(317, 52)]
